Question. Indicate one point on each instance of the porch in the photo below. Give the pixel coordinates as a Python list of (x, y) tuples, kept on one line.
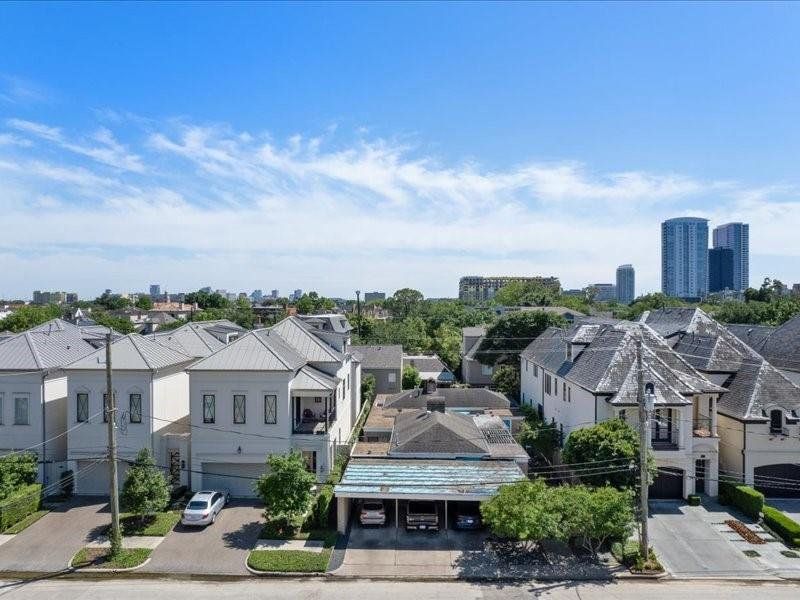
[(313, 415)]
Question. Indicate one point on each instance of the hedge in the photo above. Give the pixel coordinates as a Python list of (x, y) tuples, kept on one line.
[(743, 497), (25, 501), (785, 527), (320, 516)]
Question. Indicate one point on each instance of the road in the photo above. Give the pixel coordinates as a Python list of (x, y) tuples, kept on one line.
[(130, 589)]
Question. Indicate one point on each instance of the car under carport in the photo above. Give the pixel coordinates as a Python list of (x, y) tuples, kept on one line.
[(396, 481)]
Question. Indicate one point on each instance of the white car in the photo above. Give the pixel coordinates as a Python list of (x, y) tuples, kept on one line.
[(204, 507)]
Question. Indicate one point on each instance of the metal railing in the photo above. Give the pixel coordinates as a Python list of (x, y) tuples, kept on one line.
[(663, 437), (701, 427)]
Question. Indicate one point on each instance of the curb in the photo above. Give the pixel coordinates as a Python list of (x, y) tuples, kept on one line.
[(101, 570)]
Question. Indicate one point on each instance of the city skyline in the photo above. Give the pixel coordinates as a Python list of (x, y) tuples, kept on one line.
[(422, 168)]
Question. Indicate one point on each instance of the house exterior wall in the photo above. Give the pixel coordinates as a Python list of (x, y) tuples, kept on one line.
[(472, 372), (382, 383), (171, 393), (55, 395)]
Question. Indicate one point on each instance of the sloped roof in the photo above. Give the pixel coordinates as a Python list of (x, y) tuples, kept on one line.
[(758, 387), (473, 331), (708, 353), (133, 352), (669, 321), (311, 379), (422, 432), (300, 336), (259, 350), (429, 366), (752, 335), (42, 349), (453, 397), (781, 346), (386, 356), (191, 339)]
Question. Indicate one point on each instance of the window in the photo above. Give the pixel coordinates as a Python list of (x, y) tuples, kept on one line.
[(622, 415), (555, 387), (775, 421), (547, 384), (535, 370), (21, 410), (526, 365), (317, 399), (270, 409), (1, 409), (209, 408), (564, 390), (310, 458), (569, 394), (392, 377), (82, 407), (135, 408), (238, 408), (486, 370)]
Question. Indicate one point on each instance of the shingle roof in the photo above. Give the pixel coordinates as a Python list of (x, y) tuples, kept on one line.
[(756, 388), (133, 352), (259, 350), (752, 335), (453, 397), (191, 339), (780, 347), (379, 357), (429, 366), (473, 331), (300, 336), (43, 349), (421, 432)]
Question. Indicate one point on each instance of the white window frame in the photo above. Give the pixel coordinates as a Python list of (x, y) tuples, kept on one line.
[(242, 399), (213, 397), (130, 407), (271, 397), (392, 377), (78, 407), (27, 400)]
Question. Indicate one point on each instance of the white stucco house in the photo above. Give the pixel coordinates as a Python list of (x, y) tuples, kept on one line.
[(151, 388), (294, 386), (588, 373), (33, 392)]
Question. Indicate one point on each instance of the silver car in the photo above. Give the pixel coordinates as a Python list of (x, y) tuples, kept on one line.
[(204, 507), (373, 513)]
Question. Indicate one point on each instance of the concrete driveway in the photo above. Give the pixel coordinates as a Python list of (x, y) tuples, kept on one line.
[(790, 506), (219, 549), (48, 545)]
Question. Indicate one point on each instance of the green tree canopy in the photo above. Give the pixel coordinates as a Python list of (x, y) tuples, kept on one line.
[(512, 333), (145, 490), (120, 324), (411, 378), (25, 317), (16, 471), (522, 512), (205, 299), (446, 342), (506, 379), (285, 489), (312, 302), (647, 302), (144, 303), (404, 302), (112, 301), (526, 293)]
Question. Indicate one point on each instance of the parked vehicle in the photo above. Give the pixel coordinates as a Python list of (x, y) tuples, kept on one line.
[(422, 514), (468, 516), (373, 513), (204, 507)]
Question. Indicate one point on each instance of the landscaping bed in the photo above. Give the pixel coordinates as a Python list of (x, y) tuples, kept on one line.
[(292, 561), (628, 554), (159, 524), (98, 558), (25, 522), (743, 530)]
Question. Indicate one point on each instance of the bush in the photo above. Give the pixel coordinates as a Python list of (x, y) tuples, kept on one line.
[(694, 500), (320, 516), (626, 552), (66, 483), (16, 471), (20, 504), (745, 498), (786, 528), (725, 492)]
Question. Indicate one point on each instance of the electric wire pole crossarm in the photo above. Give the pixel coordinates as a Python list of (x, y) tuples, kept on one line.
[(646, 399), (115, 536)]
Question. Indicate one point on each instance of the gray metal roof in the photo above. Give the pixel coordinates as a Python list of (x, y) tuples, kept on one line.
[(420, 432), (191, 339), (133, 352), (379, 357), (300, 336), (476, 398), (259, 350), (43, 349), (452, 479), (311, 379)]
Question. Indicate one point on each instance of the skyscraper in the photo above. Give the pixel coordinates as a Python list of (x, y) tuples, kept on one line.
[(720, 269), (155, 290), (736, 236), (626, 284), (684, 257)]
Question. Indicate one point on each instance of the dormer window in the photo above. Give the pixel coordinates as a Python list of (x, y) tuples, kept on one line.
[(776, 421)]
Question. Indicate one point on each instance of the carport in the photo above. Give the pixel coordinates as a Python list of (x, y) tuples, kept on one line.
[(395, 480)]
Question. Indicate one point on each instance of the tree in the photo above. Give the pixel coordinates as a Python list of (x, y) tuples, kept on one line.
[(145, 490), (25, 317), (120, 324), (367, 388), (647, 302), (611, 442), (522, 512), (112, 301), (446, 342), (285, 489), (506, 379), (512, 333), (144, 303), (526, 293), (411, 378), (610, 516), (312, 302), (16, 471), (404, 302), (540, 440), (205, 299)]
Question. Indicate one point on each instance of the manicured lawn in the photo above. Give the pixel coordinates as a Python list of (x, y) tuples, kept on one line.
[(159, 524), (26, 522), (272, 532), (293, 561), (98, 557)]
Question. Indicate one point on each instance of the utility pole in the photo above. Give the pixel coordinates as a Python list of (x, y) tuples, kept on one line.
[(358, 309), (115, 537), (644, 439)]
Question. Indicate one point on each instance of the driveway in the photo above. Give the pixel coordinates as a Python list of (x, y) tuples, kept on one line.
[(790, 506), (695, 542), (219, 549), (48, 545)]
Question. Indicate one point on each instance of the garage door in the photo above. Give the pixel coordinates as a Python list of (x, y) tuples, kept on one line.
[(92, 478), (667, 484), (237, 478), (781, 481)]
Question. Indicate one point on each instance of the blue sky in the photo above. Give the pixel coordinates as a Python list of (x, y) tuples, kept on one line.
[(374, 146)]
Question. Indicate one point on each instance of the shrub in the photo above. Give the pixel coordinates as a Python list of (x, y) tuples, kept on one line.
[(145, 490), (25, 501), (626, 552), (16, 471), (285, 489), (746, 499), (786, 528), (725, 496), (694, 500), (320, 516), (66, 483)]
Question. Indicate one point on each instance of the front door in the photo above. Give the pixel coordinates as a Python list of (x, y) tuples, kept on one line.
[(700, 476)]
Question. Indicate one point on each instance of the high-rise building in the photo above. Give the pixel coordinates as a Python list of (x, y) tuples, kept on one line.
[(373, 296), (296, 295), (274, 294), (480, 289), (604, 292), (155, 290), (736, 236), (626, 284), (257, 296), (684, 258), (720, 269)]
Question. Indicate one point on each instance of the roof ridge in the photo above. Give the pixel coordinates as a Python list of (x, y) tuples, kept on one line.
[(130, 336), (263, 343), (297, 323), (34, 351)]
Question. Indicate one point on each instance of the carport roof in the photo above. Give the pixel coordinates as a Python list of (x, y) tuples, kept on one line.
[(430, 479)]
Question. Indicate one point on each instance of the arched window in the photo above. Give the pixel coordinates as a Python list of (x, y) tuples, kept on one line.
[(776, 420)]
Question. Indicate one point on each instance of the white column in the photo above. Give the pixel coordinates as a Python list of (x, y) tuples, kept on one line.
[(342, 514), (714, 416), (712, 475)]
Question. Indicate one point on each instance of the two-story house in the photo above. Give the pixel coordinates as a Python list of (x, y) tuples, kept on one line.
[(289, 387), (33, 392), (151, 388), (589, 373), (759, 411), (473, 372), (384, 363)]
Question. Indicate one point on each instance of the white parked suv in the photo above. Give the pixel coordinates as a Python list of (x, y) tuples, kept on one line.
[(204, 507)]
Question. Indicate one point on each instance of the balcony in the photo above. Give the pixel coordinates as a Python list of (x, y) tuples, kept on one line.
[(664, 436), (701, 427), (312, 416)]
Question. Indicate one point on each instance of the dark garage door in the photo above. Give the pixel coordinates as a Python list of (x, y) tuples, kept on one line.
[(667, 484), (781, 481)]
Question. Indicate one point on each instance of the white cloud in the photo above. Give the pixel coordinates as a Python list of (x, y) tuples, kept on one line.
[(207, 204)]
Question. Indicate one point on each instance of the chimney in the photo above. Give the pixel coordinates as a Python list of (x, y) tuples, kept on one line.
[(435, 404), (429, 386)]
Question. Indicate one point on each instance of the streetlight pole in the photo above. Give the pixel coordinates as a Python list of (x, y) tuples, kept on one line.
[(358, 309), (115, 537), (645, 398)]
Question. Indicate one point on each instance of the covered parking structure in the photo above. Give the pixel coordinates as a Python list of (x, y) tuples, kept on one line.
[(400, 479)]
